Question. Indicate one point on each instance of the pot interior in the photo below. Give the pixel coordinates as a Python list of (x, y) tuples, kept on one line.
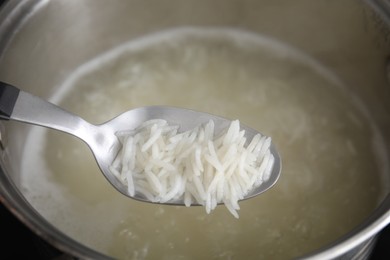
[(310, 74)]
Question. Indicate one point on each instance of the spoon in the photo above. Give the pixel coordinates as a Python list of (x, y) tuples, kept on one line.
[(21, 106)]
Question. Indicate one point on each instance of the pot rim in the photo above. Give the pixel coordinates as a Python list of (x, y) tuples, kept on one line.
[(13, 15), (14, 201)]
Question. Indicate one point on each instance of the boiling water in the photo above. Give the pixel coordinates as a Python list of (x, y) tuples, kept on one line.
[(330, 179)]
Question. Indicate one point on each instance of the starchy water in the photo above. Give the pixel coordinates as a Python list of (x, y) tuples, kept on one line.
[(331, 175)]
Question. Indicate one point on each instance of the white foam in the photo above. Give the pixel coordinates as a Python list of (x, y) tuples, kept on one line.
[(242, 38)]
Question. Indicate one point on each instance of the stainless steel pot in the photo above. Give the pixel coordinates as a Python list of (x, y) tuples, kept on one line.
[(42, 41)]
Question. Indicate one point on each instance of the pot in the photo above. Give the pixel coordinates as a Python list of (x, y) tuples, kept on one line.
[(42, 42)]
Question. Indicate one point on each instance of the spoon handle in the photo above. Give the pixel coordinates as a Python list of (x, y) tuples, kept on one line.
[(18, 105), (8, 97)]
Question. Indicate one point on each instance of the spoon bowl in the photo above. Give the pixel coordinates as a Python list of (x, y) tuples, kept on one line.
[(21, 106)]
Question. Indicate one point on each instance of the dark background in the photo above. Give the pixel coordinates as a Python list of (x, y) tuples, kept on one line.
[(19, 242)]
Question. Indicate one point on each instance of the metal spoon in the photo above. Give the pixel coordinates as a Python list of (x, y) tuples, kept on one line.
[(18, 105)]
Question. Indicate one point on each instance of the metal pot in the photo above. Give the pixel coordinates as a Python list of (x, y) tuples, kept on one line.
[(42, 41)]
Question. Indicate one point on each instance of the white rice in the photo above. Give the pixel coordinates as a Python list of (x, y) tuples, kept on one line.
[(164, 165)]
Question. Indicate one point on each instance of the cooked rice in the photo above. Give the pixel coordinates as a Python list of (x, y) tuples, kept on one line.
[(195, 166)]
